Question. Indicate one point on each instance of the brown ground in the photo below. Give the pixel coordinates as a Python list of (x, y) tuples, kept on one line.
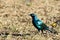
[(14, 18)]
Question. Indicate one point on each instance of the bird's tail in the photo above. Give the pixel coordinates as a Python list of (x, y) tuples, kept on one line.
[(52, 30)]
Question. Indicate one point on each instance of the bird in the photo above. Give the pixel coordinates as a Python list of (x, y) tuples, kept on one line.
[(54, 24), (40, 25)]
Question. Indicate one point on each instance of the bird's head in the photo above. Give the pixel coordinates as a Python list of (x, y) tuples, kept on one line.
[(32, 15)]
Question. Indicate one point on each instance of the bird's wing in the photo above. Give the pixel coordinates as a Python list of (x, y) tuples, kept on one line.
[(39, 22), (43, 25)]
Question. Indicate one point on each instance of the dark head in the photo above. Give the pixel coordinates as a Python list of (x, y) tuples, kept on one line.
[(32, 15)]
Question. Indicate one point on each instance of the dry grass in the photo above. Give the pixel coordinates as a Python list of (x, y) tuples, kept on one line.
[(14, 18)]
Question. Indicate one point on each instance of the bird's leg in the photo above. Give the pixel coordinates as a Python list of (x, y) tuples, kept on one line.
[(39, 31), (42, 32)]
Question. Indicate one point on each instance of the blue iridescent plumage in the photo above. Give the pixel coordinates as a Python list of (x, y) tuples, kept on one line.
[(39, 24)]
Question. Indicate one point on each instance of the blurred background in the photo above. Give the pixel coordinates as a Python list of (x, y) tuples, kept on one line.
[(14, 18)]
